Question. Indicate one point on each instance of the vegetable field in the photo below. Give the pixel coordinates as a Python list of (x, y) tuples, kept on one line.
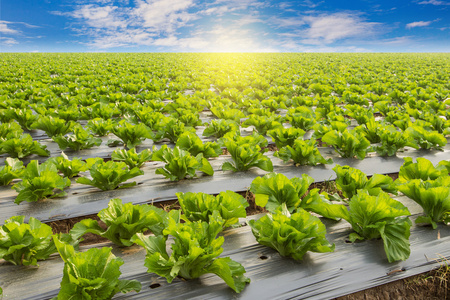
[(245, 176)]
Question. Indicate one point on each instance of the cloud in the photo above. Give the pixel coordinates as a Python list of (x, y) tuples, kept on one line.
[(326, 29), (435, 2), (163, 15), (286, 22), (310, 3), (99, 16), (401, 40), (7, 41), (418, 24), (5, 29)]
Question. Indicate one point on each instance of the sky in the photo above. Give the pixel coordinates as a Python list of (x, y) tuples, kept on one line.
[(224, 26)]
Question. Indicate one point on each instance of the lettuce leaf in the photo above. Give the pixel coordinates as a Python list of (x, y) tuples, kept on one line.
[(131, 157), (348, 144), (274, 191), (180, 164), (432, 196), (291, 235), (12, 169), (201, 207), (25, 243), (245, 156), (39, 182), (123, 221), (109, 175), (194, 252), (69, 168), (422, 169), (23, 146), (285, 136), (349, 180), (93, 274), (302, 153), (190, 142), (131, 135), (378, 216)]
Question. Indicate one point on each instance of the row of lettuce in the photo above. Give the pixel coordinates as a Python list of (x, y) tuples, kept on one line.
[(417, 124), (288, 227)]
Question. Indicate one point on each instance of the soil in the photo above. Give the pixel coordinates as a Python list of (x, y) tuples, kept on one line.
[(433, 285), (64, 226)]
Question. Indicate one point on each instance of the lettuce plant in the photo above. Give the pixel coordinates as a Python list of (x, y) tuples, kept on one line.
[(69, 168), (301, 117), (275, 191), (225, 113), (321, 129), (378, 216), (432, 196), (9, 131), (195, 252), (218, 128), (23, 146), (93, 274), (192, 143), (40, 182), (131, 135), (99, 126), (285, 136), (25, 243), (347, 144), (201, 207), (393, 140), (187, 117), (12, 169), (180, 163), (291, 235), (255, 139), (245, 156), (131, 157), (361, 114), (349, 180), (426, 139), (53, 126), (123, 221), (422, 169), (109, 175), (262, 124), (302, 153), (170, 128), (25, 117), (428, 186), (80, 139)]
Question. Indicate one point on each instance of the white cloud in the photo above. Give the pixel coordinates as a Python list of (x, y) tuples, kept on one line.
[(435, 2), (330, 28), (7, 41), (287, 22), (163, 15), (100, 16), (418, 24), (401, 40), (5, 29), (310, 3)]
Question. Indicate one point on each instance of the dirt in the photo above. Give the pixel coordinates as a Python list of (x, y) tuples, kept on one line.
[(433, 285), (64, 226)]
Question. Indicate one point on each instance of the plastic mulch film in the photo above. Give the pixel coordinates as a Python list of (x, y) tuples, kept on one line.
[(85, 200)]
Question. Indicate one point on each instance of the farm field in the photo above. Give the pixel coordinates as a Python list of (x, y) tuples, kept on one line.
[(339, 162)]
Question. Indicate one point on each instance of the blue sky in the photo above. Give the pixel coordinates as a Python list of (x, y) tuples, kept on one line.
[(224, 26)]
